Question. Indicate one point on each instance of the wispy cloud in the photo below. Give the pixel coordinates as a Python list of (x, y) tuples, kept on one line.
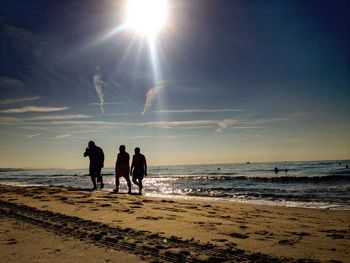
[(174, 124), (62, 136), (158, 137), (105, 103), (7, 82), (226, 123), (18, 100), (198, 110), (151, 96), (10, 121), (33, 135), (123, 114), (59, 117), (78, 123), (34, 109), (97, 80)]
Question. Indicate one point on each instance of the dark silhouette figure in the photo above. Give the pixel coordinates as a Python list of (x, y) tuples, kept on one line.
[(97, 158), (122, 168), (138, 168), (276, 170), (347, 166)]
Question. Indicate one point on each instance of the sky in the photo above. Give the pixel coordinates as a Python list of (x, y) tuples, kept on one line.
[(224, 81)]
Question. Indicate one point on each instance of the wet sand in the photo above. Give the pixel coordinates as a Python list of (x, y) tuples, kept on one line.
[(139, 228)]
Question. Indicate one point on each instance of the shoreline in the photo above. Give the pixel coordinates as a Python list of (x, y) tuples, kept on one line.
[(195, 229), (251, 201)]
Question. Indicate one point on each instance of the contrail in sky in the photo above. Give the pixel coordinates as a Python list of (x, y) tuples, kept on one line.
[(97, 80), (151, 96)]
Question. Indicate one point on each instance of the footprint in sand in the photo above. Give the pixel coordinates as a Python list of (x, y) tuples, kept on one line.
[(286, 242), (263, 233), (149, 217), (11, 241), (51, 250), (300, 234), (239, 235), (221, 240)]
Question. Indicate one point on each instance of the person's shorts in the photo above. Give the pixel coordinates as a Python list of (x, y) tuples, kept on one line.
[(95, 171), (123, 171), (138, 173)]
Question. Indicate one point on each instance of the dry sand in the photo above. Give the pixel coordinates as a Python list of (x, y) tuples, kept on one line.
[(80, 225)]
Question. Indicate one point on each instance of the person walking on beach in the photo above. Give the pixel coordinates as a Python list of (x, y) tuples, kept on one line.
[(97, 158), (122, 168), (138, 168)]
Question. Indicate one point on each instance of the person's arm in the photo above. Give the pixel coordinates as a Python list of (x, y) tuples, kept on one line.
[(145, 165), (116, 164), (102, 158), (86, 153)]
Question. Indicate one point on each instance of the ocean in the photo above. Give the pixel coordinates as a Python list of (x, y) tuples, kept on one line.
[(309, 184)]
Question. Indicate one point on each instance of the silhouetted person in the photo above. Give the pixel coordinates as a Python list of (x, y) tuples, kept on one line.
[(138, 168), (276, 170), (347, 166), (97, 158), (122, 168)]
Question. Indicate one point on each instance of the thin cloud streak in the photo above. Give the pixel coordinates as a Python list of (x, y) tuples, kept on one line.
[(10, 121), (33, 135), (198, 110), (174, 124), (158, 137), (18, 100), (105, 103), (123, 114), (225, 124), (62, 136), (59, 117), (7, 82), (34, 109)]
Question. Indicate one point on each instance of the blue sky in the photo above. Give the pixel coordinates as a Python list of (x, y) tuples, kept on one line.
[(238, 81)]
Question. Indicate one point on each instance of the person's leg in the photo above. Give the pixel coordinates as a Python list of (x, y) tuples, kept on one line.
[(116, 184), (140, 186), (100, 177), (92, 173), (93, 180), (127, 178), (134, 180)]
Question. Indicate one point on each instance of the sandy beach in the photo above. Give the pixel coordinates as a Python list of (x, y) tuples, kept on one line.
[(51, 224)]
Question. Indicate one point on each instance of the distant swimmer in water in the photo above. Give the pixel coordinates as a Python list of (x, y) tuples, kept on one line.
[(122, 168), (276, 170), (347, 166)]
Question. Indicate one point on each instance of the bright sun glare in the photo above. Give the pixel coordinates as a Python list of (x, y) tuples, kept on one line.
[(147, 16)]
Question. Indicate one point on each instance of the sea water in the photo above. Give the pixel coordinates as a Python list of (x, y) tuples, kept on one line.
[(313, 184)]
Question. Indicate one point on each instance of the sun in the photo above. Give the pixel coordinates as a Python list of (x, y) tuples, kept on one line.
[(146, 17)]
